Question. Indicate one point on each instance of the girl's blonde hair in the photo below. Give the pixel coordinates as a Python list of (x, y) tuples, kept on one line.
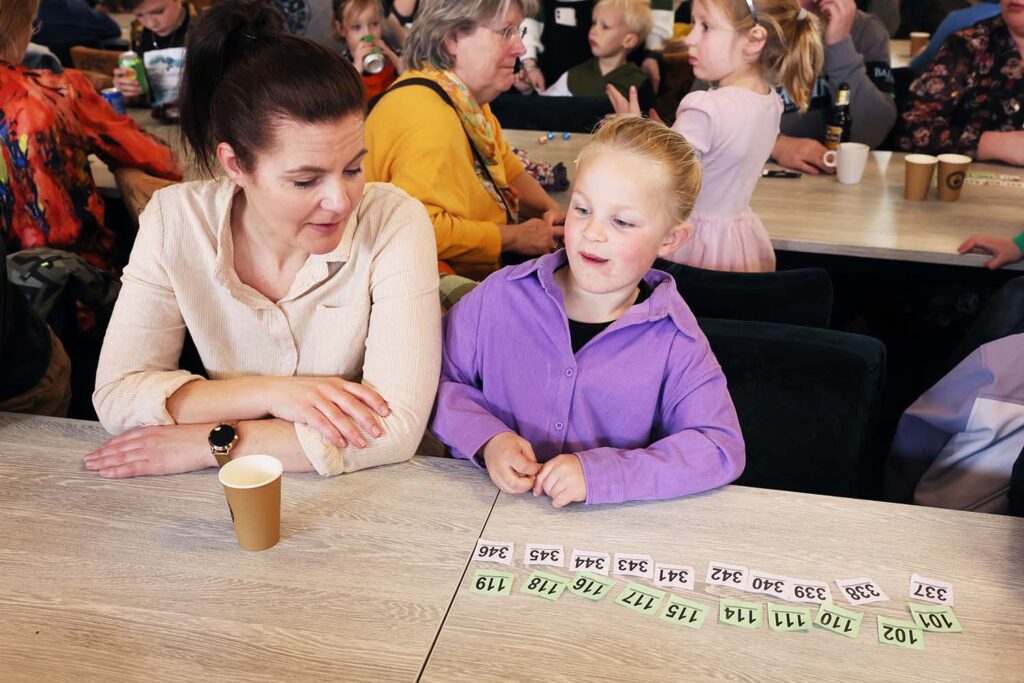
[(637, 15), (15, 17), (665, 149), (793, 52)]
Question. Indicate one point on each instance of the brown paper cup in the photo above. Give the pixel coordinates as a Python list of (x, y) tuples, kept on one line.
[(918, 41), (952, 172), (253, 487), (919, 170)]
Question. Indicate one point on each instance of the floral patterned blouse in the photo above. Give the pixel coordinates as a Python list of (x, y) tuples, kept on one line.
[(49, 125), (975, 85)]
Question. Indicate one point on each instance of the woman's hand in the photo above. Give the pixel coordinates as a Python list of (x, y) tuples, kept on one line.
[(124, 81), (534, 237), (157, 450), (330, 405)]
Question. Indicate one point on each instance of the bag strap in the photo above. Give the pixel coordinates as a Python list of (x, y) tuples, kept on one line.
[(426, 82)]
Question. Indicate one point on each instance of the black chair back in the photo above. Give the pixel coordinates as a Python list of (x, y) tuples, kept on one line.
[(807, 401)]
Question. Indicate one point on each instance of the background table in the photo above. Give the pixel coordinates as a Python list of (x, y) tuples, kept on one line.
[(819, 215), (143, 580), (811, 537), (899, 53)]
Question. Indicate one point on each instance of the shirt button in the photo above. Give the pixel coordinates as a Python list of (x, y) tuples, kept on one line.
[(568, 372), (559, 425)]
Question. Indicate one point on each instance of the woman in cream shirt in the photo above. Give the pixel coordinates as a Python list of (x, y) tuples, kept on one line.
[(311, 296)]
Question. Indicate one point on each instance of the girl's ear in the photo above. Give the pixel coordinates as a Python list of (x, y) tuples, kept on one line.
[(677, 236), (630, 41), (756, 39)]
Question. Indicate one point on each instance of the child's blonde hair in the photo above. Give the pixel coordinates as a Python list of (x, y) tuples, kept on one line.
[(793, 53), (637, 13), (664, 148), (344, 7)]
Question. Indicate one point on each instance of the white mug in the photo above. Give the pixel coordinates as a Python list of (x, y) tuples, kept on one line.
[(849, 160)]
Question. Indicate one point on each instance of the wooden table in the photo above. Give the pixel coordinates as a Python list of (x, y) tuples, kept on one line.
[(818, 215), (143, 580), (810, 537), (899, 53)]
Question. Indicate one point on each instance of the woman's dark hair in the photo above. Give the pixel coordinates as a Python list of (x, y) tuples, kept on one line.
[(243, 74)]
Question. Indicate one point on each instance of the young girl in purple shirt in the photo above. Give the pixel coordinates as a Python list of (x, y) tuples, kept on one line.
[(583, 375)]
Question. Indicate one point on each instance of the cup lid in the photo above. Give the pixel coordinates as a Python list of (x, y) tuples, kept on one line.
[(921, 159)]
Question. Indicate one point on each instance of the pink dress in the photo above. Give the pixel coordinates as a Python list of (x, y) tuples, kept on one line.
[(733, 130)]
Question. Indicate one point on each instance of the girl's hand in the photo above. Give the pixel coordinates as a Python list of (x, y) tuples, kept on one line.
[(511, 462), (534, 75), (561, 478), (650, 67), (124, 81), (163, 449), (620, 104), (330, 405), (392, 57), (362, 50), (1003, 249)]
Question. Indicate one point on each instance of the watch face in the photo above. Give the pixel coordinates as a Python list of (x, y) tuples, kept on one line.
[(222, 435)]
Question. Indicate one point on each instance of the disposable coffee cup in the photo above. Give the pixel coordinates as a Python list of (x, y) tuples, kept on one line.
[(919, 169), (952, 172), (849, 161), (918, 42), (252, 485)]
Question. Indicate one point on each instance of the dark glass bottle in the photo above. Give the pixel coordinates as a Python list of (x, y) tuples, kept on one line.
[(840, 122)]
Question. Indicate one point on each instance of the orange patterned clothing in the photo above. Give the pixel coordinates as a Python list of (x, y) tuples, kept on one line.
[(49, 125)]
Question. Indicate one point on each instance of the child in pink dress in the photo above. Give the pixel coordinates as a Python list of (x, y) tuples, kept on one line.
[(746, 47)]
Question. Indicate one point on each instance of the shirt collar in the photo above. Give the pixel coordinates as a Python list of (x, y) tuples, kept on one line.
[(663, 302)]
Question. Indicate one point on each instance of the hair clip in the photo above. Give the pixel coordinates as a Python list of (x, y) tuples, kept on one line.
[(753, 12), (801, 15)]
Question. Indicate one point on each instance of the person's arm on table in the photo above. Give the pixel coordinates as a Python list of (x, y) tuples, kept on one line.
[(1004, 250)]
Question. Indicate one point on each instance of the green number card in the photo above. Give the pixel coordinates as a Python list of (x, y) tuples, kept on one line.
[(492, 582), (739, 613), (838, 620), (937, 618), (544, 585), (685, 612), (789, 617), (591, 586), (641, 598), (900, 633)]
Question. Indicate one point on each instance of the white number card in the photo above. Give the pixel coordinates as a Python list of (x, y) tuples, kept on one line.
[(674, 576), (769, 584), (493, 551), (931, 590), (550, 555), (729, 575), (634, 565), (805, 590), (590, 561), (861, 591)]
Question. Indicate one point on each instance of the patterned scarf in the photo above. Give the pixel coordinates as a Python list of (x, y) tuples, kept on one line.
[(482, 135)]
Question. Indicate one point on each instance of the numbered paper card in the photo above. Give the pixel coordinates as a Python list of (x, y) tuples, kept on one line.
[(805, 590), (544, 585), (861, 591), (492, 582), (789, 617), (641, 598), (590, 561), (685, 612), (723, 574), (591, 586), (538, 554), (674, 576), (493, 551), (838, 620), (739, 613), (900, 633), (931, 590), (937, 618), (634, 565), (769, 584)]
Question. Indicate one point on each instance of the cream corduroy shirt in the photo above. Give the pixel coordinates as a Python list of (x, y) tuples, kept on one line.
[(367, 311)]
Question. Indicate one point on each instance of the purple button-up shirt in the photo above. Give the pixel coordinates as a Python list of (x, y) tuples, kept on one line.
[(644, 405)]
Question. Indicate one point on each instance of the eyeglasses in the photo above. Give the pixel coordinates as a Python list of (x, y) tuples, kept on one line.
[(37, 26), (508, 33)]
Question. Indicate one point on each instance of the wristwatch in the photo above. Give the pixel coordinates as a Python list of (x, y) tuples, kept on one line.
[(222, 439)]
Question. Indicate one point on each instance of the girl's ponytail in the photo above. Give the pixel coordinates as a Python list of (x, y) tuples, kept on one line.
[(803, 61)]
